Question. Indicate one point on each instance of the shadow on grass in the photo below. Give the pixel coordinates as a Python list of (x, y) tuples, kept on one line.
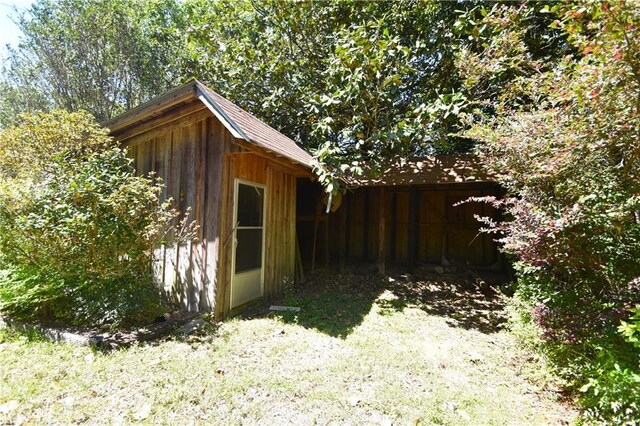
[(28, 334), (451, 296), (335, 304)]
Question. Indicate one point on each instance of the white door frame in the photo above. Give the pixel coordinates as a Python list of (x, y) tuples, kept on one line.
[(236, 184)]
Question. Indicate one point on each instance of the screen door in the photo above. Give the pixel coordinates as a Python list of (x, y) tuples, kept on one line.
[(248, 262)]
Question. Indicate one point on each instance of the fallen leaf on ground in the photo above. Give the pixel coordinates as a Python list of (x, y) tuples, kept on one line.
[(9, 406), (354, 400), (143, 412)]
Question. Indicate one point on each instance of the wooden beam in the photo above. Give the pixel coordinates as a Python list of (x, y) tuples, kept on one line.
[(227, 227), (293, 168), (154, 107), (326, 243), (414, 224), (299, 265), (347, 231), (186, 120), (315, 233), (342, 236), (445, 234), (161, 120), (365, 227), (381, 230), (394, 224)]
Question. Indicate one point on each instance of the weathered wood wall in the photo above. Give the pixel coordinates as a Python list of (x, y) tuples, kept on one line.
[(198, 160), (422, 225), (279, 222), (188, 156)]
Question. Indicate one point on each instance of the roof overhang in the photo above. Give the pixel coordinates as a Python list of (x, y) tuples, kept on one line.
[(219, 112), (154, 107), (437, 169), (194, 91)]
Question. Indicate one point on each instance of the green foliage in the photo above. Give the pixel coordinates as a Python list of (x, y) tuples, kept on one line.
[(103, 56), (39, 143), (77, 226), (563, 141), (612, 391), (604, 374), (506, 44), (368, 72), (351, 81), (24, 335), (631, 329)]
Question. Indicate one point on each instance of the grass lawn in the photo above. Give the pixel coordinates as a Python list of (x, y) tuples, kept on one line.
[(361, 351)]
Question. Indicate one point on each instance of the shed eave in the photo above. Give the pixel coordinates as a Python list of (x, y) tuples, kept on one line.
[(243, 127), (167, 100), (220, 114)]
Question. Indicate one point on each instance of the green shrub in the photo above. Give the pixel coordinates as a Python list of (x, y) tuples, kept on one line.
[(612, 391), (562, 139), (77, 226), (602, 372), (631, 329)]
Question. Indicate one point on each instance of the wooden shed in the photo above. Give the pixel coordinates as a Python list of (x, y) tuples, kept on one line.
[(408, 214), (237, 178)]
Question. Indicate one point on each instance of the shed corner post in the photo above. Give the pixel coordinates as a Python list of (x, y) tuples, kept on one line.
[(414, 225), (381, 232), (342, 236)]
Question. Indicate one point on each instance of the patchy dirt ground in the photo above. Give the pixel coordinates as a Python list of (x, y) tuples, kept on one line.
[(364, 349)]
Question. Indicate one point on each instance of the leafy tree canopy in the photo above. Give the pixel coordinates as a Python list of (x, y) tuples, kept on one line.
[(102, 56), (352, 81)]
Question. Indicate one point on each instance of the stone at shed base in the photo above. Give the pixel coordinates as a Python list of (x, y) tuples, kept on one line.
[(191, 327)]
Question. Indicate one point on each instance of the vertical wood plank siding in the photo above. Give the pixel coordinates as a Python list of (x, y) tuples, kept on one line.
[(421, 224), (279, 221), (198, 163)]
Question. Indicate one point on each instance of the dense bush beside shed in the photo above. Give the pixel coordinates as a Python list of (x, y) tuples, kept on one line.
[(77, 226), (564, 144)]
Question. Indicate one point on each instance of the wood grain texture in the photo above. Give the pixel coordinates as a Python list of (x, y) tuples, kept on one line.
[(213, 163), (166, 119), (223, 301), (185, 121), (422, 225), (188, 159), (382, 254), (279, 220), (198, 160)]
